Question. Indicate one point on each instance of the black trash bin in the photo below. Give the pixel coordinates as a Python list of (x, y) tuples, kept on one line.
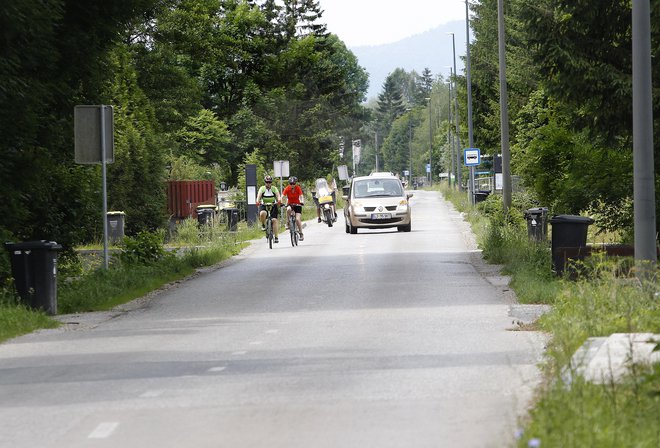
[(481, 195), (569, 236), (205, 214), (537, 223), (116, 226), (34, 268), (232, 219)]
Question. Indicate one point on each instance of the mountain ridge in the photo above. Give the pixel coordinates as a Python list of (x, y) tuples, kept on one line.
[(432, 49)]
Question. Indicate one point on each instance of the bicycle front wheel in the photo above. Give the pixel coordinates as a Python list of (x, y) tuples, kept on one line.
[(292, 231)]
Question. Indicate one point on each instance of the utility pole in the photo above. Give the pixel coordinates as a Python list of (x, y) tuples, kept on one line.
[(469, 96), (430, 145), (458, 129), (504, 112), (643, 183), (450, 139)]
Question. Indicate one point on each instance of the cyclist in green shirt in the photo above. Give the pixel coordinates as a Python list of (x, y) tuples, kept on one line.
[(269, 194)]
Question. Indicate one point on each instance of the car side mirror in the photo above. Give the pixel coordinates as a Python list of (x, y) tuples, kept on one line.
[(409, 195)]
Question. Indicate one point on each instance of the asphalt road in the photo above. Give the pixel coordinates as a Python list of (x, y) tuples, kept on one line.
[(380, 339)]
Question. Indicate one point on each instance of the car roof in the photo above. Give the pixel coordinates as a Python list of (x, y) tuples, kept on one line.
[(372, 177), (382, 173)]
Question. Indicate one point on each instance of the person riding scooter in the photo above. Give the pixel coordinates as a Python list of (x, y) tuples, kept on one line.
[(324, 198)]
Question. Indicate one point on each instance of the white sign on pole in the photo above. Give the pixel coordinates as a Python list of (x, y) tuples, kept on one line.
[(343, 172), (281, 168)]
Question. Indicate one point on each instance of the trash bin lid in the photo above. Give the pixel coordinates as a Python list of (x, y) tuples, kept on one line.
[(571, 219), (207, 207), (32, 245), (535, 211), (115, 213)]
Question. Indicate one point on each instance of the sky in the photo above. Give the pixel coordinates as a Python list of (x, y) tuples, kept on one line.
[(375, 22)]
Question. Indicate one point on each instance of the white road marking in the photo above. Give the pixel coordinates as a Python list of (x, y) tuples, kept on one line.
[(217, 369), (256, 342), (272, 331), (151, 394), (240, 352), (103, 430)]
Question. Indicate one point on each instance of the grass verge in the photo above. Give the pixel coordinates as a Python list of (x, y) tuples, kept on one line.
[(143, 266), (605, 298)]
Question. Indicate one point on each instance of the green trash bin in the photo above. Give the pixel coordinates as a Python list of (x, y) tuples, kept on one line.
[(34, 268)]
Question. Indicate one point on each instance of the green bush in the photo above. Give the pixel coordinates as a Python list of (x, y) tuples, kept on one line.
[(145, 248)]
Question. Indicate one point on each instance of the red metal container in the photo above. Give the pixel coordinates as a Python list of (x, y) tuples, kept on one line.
[(183, 196)]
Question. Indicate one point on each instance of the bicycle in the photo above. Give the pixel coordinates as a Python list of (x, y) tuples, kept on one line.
[(291, 218), (269, 224)]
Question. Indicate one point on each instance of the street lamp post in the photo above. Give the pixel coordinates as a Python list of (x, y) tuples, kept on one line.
[(410, 172), (450, 140), (469, 96), (376, 148), (504, 112), (430, 145), (458, 137)]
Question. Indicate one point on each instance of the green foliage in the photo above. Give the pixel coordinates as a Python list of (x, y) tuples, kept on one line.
[(204, 139), (145, 248), (625, 413), (103, 289)]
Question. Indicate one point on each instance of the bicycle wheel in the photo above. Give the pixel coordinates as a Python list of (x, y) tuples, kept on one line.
[(269, 233), (292, 231)]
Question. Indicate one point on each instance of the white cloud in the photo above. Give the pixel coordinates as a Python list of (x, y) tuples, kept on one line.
[(375, 22)]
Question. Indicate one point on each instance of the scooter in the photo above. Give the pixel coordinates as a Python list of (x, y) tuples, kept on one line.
[(325, 200)]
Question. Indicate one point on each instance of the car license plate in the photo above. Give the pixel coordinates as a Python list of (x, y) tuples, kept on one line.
[(381, 215)]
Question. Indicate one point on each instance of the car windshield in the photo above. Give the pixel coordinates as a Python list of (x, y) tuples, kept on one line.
[(377, 188)]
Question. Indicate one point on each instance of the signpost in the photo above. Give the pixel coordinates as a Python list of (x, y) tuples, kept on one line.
[(281, 170), (93, 129), (471, 158)]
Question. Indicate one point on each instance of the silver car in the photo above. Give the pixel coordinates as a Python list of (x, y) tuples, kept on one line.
[(375, 202)]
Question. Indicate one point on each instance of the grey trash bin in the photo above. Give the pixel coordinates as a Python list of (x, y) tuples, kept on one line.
[(34, 268), (568, 231), (537, 223), (232, 219), (116, 222)]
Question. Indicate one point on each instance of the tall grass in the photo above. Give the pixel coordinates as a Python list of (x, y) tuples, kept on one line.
[(143, 266), (605, 298), (16, 319), (623, 414)]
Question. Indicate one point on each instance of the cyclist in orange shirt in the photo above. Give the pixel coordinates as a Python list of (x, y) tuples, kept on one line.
[(295, 199)]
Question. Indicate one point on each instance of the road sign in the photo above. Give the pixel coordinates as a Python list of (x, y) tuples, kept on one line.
[(428, 167), (281, 168), (89, 132), (472, 156)]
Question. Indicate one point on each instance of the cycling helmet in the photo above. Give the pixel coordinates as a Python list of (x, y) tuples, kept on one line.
[(293, 180), (268, 178)]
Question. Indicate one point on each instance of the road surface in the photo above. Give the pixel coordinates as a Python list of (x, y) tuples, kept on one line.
[(380, 339)]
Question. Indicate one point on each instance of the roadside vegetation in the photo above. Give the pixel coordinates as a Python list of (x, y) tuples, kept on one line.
[(138, 266), (141, 265), (606, 297)]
